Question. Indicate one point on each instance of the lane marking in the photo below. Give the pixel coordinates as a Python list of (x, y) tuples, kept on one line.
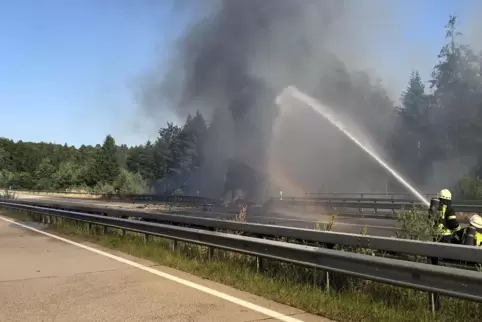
[(205, 289)]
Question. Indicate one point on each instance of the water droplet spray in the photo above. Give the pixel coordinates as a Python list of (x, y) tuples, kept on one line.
[(293, 92)]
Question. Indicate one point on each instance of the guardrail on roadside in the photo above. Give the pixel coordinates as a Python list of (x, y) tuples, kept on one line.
[(192, 200), (387, 244), (328, 201), (379, 204), (453, 282), (359, 195)]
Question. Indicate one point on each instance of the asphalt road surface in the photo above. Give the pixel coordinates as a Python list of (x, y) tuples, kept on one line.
[(348, 224), (44, 278)]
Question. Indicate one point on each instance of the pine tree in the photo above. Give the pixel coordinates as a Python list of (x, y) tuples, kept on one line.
[(107, 167), (457, 85), (414, 134)]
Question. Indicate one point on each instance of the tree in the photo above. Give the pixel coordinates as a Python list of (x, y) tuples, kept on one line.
[(67, 176), (413, 138), (107, 167), (5, 166), (43, 175), (128, 183), (415, 106), (457, 86)]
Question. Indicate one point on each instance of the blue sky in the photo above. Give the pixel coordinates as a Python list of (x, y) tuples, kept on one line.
[(67, 66)]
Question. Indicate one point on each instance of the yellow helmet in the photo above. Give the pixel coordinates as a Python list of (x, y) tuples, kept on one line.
[(445, 194)]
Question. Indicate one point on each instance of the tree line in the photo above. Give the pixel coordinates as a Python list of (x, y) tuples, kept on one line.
[(434, 123), (106, 168)]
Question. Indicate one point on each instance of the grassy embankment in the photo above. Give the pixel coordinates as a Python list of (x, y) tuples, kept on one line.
[(358, 300)]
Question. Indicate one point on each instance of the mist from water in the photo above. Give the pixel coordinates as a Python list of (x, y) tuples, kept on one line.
[(293, 92)]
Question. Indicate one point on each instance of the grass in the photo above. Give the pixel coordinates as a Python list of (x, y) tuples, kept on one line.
[(358, 300)]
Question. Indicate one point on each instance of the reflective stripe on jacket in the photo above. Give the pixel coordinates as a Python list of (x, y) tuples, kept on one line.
[(478, 239), (442, 228)]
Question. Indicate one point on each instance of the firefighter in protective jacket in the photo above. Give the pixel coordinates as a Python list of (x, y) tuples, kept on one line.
[(446, 223), (472, 234)]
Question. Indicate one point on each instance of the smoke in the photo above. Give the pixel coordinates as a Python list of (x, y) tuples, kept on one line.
[(235, 57)]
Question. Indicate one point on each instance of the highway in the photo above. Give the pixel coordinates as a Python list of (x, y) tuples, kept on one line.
[(348, 224), (44, 277)]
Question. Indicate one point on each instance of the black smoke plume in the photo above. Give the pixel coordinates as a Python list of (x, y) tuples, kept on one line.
[(236, 56)]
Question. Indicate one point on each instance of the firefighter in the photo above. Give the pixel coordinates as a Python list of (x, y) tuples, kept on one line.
[(446, 223), (472, 234)]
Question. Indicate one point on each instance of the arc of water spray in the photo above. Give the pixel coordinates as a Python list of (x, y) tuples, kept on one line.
[(293, 92)]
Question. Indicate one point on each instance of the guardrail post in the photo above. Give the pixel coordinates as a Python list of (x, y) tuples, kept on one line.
[(105, 230), (327, 282), (146, 238), (326, 274), (434, 298), (210, 253), (174, 245), (260, 264), (210, 248), (331, 281), (123, 233)]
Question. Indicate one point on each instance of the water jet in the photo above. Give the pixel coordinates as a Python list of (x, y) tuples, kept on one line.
[(293, 92)]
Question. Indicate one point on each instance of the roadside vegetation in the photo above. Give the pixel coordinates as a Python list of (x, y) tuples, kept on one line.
[(348, 299)]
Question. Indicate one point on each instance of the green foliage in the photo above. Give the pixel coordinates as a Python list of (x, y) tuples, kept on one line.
[(319, 225), (129, 183), (415, 224), (5, 178), (104, 187), (106, 168)]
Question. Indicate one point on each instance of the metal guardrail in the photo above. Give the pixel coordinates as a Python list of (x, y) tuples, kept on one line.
[(386, 244), (447, 281), (379, 205), (350, 200), (346, 199), (389, 195), (196, 200)]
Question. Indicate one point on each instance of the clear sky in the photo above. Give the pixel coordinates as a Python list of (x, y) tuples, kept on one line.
[(424, 21), (67, 66)]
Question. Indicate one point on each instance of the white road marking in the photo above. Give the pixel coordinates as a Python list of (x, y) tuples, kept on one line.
[(224, 296)]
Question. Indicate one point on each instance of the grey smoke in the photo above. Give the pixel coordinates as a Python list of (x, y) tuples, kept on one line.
[(232, 62)]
